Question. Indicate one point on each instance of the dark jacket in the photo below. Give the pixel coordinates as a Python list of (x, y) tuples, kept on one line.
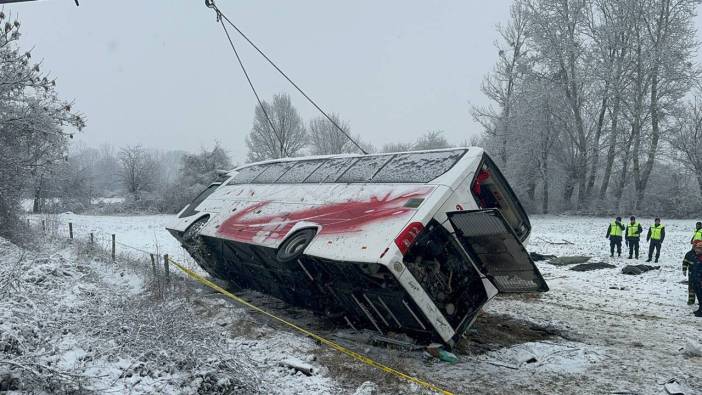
[(648, 236), (689, 260), (609, 229)]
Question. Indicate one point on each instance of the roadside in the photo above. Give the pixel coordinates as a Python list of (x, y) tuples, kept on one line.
[(593, 332), (70, 322)]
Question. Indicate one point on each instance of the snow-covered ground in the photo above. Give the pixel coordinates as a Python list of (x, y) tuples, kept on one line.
[(593, 332)]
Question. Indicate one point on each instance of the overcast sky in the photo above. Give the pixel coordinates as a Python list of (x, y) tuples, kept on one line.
[(160, 73)]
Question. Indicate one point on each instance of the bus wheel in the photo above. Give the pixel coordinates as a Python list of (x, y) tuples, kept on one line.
[(191, 234), (295, 245), (196, 247)]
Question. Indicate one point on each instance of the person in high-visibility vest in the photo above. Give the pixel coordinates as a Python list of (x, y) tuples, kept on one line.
[(633, 234), (655, 236), (698, 233), (614, 234), (692, 264)]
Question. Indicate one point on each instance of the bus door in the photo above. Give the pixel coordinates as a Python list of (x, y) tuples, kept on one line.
[(493, 245)]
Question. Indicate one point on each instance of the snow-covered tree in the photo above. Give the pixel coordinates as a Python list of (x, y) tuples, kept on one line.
[(32, 123), (285, 137), (325, 138), (610, 74), (433, 139), (500, 84)]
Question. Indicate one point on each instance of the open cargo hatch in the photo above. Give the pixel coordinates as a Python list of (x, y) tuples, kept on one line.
[(491, 190), (493, 245)]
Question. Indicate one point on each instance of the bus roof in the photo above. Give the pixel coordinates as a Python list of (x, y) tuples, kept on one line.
[(334, 156)]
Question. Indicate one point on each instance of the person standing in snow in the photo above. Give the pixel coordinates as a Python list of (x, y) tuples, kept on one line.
[(698, 233), (655, 236), (692, 264), (633, 234), (614, 234)]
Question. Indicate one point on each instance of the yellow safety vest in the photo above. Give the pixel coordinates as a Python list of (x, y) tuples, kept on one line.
[(656, 232), (632, 230), (698, 235), (614, 229)]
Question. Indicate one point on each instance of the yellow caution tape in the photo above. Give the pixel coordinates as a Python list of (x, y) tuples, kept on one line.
[(359, 357)]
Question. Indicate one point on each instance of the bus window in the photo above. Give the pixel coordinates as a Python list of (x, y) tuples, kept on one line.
[(418, 167), (247, 174), (330, 170), (364, 169), (190, 208), (273, 172), (300, 171), (491, 190)]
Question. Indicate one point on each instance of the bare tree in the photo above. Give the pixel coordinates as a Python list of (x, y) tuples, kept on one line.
[(598, 86), (283, 136), (499, 85), (686, 139), (556, 26), (668, 28), (138, 170), (325, 138), (612, 29)]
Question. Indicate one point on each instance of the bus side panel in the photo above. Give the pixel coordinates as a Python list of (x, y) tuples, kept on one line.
[(353, 221)]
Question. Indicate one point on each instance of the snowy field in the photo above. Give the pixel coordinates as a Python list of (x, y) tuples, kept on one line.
[(593, 332)]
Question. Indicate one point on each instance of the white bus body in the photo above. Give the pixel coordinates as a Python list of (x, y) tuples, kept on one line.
[(413, 242)]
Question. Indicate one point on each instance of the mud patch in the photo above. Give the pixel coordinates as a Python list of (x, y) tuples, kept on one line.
[(493, 332)]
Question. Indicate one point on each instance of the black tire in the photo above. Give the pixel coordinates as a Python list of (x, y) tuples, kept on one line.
[(193, 231), (194, 244), (295, 245)]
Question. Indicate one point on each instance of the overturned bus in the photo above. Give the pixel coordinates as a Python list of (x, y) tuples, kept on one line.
[(413, 242)]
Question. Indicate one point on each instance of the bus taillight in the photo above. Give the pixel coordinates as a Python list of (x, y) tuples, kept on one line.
[(408, 236)]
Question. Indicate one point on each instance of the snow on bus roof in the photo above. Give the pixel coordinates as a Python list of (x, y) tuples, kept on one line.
[(335, 156)]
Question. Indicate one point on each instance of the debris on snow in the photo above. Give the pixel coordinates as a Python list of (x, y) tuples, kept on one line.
[(298, 366), (568, 260), (536, 257), (635, 270), (673, 387), (586, 267), (437, 351), (399, 342), (562, 242), (692, 348), (367, 388)]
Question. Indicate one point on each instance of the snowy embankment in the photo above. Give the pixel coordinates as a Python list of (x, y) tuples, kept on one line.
[(70, 322), (593, 332)]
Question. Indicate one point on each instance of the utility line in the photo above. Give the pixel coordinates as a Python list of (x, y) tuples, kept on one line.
[(221, 16), (260, 103)]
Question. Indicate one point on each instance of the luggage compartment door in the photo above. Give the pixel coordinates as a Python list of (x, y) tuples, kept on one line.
[(494, 247)]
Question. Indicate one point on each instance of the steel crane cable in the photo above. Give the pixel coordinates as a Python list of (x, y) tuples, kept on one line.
[(243, 68), (222, 17)]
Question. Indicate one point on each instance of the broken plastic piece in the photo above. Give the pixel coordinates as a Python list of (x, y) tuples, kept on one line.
[(437, 351)]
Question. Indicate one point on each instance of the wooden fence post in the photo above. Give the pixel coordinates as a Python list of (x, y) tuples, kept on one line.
[(113, 247), (167, 268), (153, 263), (92, 239), (70, 230), (43, 226)]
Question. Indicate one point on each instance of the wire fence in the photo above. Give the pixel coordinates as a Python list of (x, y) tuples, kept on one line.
[(110, 246)]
